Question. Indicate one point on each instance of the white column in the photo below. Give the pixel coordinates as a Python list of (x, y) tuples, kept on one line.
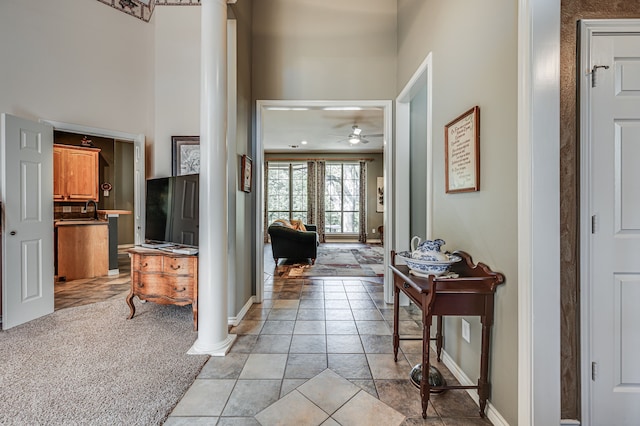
[(213, 338)]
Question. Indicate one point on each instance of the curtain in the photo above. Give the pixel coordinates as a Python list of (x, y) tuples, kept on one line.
[(320, 199), (311, 192), (266, 202), (363, 202)]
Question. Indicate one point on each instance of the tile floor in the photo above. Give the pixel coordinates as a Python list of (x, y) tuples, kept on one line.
[(315, 352), (319, 352), (69, 294)]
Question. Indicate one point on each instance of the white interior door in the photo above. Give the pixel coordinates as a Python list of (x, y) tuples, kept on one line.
[(614, 243), (27, 228)]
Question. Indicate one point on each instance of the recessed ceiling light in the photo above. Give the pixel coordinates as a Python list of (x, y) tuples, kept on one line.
[(304, 142), (294, 146)]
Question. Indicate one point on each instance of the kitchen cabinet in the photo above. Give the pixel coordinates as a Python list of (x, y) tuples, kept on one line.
[(83, 249), (75, 173)]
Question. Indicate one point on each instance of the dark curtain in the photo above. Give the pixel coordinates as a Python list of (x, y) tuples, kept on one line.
[(311, 192), (266, 202), (362, 237), (320, 200)]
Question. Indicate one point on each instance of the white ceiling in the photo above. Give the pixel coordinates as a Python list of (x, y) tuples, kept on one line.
[(325, 129)]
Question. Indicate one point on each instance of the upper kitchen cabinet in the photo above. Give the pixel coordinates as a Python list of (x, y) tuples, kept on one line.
[(75, 173)]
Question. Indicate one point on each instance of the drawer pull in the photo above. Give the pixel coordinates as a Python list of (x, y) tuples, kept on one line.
[(405, 285), (144, 265), (180, 290), (175, 268)]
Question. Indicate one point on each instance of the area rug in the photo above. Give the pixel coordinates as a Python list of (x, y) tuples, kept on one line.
[(358, 261), (90, 365)]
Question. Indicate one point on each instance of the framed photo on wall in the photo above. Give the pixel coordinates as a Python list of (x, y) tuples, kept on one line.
[(462, 152), (247, 174), (185, 155), (379, 194)]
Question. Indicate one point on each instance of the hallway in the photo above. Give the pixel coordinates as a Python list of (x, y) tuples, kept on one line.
[(319, 351)]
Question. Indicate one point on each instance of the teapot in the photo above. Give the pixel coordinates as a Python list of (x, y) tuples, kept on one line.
[(428, 250)]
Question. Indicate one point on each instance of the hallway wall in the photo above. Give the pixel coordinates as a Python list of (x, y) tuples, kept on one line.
[(474, 63)]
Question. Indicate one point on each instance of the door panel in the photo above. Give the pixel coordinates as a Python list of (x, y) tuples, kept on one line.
[(615, 240), (27, 231)]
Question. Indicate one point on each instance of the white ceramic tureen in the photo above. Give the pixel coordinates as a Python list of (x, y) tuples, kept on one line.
[(426, 258)]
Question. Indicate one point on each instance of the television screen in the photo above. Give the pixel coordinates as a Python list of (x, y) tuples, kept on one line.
[(172, 210)]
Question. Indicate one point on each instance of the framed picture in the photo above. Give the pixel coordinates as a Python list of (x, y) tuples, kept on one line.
[(185, 155), (379, 194), (462, 152), (247, 174)]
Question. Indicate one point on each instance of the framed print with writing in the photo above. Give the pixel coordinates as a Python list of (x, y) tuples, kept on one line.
[(185, 155), (462, 152), (247, 174)]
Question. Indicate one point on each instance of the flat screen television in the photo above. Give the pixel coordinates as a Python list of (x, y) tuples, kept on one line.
[(172, 210)]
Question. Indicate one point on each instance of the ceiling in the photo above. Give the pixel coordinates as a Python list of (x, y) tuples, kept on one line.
[(325, 129)]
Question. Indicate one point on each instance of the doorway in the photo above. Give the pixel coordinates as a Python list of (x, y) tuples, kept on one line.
[(121, 166), (334, 106)]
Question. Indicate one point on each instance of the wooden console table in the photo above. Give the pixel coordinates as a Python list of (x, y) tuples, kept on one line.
[(165, 278), (471, 293)]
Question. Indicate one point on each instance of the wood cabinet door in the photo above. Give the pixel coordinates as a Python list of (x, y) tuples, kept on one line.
[(58, 173), (81, 169)]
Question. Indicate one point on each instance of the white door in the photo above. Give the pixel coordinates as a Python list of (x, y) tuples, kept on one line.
[(614, 241), (26, 187)]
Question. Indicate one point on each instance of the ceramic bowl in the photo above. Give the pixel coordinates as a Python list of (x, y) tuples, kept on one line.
[(428, 267)]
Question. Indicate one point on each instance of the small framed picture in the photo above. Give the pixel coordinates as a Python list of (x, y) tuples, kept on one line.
[(247, 174), (185, 155), (462, 152)]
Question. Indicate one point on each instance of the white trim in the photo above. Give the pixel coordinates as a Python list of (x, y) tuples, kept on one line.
[(258, 165), (139, 176), (588, 28), (421, 77), (569, 422), (235, 321), (538, 212), (491, 412)]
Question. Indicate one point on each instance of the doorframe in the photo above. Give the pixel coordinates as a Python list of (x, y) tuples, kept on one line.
[(423, 76), (588, 29), (139, 176), (261, 106)]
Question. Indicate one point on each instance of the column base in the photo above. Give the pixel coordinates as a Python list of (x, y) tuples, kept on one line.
[(216, 349)]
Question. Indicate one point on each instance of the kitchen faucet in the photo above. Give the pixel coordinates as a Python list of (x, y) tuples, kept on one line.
[(95, 208)]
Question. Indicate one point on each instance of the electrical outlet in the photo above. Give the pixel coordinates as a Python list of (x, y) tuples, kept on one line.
[(373, 231), (66, 209), (83, 210), (466, 331)]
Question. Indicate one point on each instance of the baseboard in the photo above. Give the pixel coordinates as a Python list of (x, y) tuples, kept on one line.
[(492, 414), (234, 321), (569, 422)]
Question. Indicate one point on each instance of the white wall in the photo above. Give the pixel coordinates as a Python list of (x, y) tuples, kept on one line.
[(177, 81), (330, 49), (75, 61), (474, 63)]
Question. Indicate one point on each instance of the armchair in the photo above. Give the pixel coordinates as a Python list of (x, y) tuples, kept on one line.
[(289, 243)]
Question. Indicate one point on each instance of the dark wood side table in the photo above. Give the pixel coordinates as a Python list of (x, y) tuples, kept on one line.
[(471, 293)]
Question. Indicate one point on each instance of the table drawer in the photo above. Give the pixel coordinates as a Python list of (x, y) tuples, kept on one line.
[(178, 265), (147, 263)]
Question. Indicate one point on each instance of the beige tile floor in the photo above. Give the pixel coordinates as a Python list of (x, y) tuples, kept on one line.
[(316, 352), (319, 352)]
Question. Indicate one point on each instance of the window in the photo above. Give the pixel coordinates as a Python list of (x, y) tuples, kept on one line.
[(287, 191), (342, 198)]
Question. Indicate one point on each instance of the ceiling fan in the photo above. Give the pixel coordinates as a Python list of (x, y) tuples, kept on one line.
[(356, 136)]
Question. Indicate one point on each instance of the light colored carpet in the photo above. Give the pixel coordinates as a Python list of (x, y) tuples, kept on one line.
[(359, 261), (91, 366)]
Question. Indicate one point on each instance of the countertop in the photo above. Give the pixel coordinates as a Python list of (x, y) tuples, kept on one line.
[(112, 212), (71, 222)]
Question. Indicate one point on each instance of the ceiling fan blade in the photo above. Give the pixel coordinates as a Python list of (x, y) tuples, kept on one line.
[(374, 135), (363, 141)]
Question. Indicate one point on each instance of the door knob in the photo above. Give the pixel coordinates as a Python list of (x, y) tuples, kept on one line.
[(13, 233)]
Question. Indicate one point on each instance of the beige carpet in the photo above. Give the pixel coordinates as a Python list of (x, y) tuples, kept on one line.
[(91, 366)]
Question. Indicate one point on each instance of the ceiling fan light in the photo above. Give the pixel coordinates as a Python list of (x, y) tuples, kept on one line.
[(354, 139)]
